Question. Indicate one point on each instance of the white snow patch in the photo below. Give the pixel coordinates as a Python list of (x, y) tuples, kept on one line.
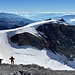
[(43, 34), (74, 46), (58, 42)]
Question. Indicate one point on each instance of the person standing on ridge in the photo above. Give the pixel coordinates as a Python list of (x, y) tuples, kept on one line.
[(12, 60)]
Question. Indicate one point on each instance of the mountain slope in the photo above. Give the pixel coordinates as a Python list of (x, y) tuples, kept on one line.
[(26, 50)]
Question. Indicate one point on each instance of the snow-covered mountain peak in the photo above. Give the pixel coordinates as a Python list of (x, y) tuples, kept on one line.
[(61, 21), (30, 45)]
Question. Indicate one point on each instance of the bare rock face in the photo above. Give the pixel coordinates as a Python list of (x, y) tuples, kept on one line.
[(61, 19), (27, 39), (61, 38)]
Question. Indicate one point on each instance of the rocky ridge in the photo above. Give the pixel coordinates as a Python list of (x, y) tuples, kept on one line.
[(7, 69)]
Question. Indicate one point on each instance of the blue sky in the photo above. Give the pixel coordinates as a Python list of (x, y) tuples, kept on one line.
[(37, 5)]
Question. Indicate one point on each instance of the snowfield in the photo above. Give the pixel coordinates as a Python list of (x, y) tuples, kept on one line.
[(28, 54)]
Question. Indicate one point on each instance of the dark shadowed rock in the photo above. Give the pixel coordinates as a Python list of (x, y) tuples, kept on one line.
[(61, 38), (27, 39), (48, 19), (61, 19)]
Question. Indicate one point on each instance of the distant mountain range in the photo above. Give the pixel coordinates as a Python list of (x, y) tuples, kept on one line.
[(9, 21), (69, 18), (41, 16)]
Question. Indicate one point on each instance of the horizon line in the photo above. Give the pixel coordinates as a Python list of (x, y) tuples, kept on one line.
[(38, 12)]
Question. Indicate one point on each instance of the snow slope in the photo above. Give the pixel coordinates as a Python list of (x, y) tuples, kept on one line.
[(28, 54)]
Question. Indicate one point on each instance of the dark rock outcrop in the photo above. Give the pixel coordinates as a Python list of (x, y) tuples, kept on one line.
[(48, 19), (27, 39), (61, 38), (61, 19)]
